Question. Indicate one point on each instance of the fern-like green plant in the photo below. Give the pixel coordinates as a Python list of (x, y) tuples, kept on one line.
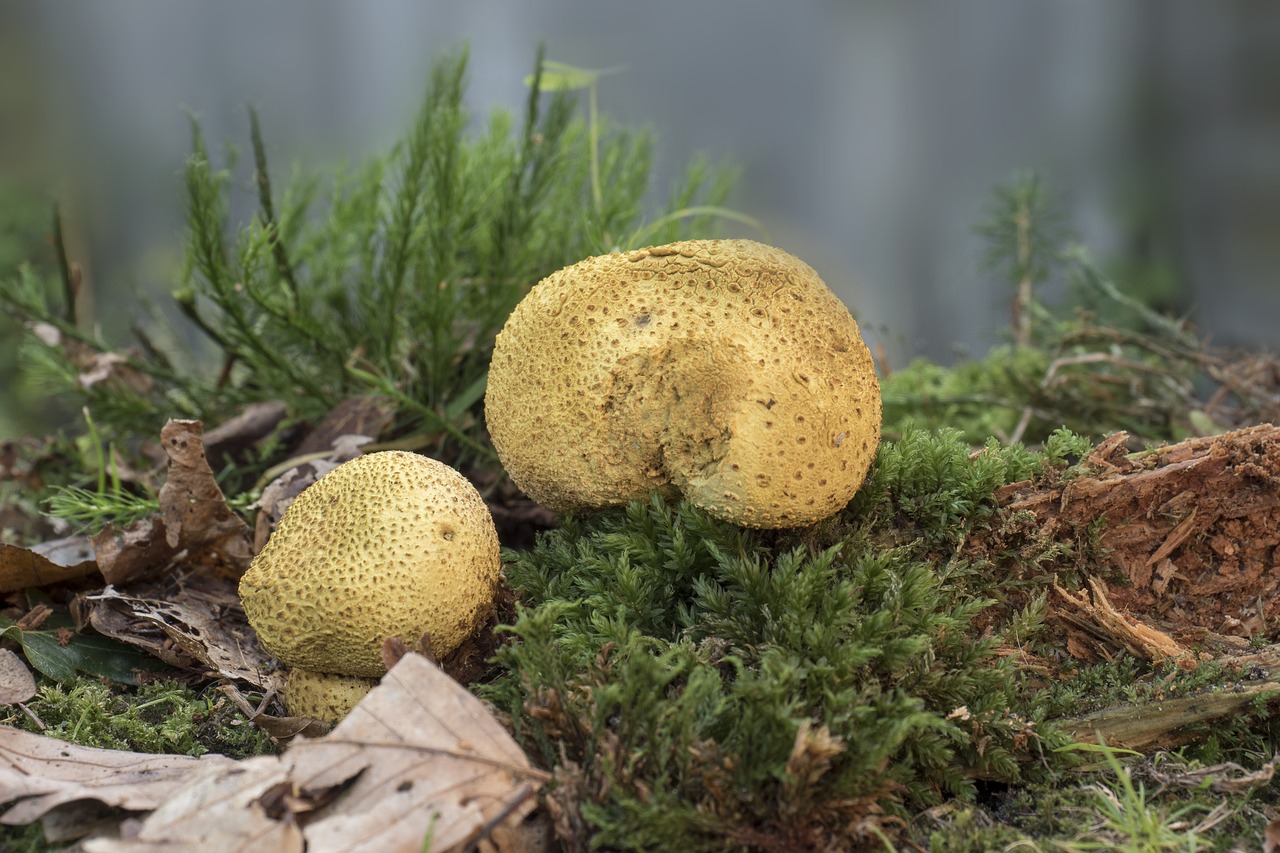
[(391, 278)]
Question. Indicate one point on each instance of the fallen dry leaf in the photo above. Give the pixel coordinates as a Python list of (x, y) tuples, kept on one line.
[(17, 684), (256, 422), (280, 729), (366, 415), (40, 774), (186, 619), (96, 366), (132, 552), (194, 517), (218, 809), (419, 755), (51, 562), (1271, 837), (194, 509)]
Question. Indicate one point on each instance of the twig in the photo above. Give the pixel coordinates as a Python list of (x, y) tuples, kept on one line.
[(263, 179), (1022, 298)]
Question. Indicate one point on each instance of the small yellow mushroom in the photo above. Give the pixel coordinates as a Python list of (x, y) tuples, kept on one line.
[(390, 544), (721, 370)]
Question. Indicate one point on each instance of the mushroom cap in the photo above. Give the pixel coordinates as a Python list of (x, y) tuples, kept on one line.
[(389, 544), (324, 695), (722, 370)]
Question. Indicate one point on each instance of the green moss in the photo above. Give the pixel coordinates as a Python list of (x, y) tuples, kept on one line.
[(161, 717), (1115, 806), (26, 839), (703, 686), (980, 397)]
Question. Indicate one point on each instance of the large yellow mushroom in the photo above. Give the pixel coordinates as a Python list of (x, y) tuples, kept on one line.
[(390, 544), (722, 370)]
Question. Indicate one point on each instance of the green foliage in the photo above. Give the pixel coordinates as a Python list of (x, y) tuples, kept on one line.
[(1079, 690), (26, 839), (156, 717), (92, 510), (390, 278), (24, 218), (1127, 820), (982, 398), (702, 687), (63, 654), (1023, 231), (934, 485), (109, 502), (1100, 363)]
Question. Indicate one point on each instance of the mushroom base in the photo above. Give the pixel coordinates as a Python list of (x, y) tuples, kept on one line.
[(324, 696)]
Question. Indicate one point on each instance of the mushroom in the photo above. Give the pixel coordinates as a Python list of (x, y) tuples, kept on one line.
[(389, 544), (721, 370)]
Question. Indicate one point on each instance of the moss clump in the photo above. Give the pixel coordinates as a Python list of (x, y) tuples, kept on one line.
[(701, 687), (1139, 805), (161, 717)]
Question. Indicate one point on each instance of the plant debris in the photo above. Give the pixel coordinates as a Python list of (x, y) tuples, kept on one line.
[(51, 562), (39, 775), (187, 620), (1189, 538), (419, 758), (194, 520)]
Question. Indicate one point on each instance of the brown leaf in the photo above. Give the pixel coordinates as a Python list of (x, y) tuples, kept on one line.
[(51, 562), (280, 729), (39, 774), (419, 754), (216, 811), (1271, 837), (257, 421), (95, 366), (194, 517), (367, 415), (195, 512), (132, 552), (17, 684), (189, 620)]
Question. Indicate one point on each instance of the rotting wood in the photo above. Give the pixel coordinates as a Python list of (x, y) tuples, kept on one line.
[(1184, 566), (1138, 638), (1163, 724), (1194, 527)]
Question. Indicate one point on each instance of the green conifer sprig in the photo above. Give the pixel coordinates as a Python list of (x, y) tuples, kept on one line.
[(1099, 364), (392, 277)]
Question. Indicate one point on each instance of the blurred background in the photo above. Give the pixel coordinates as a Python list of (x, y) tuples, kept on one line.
[(870, 133)]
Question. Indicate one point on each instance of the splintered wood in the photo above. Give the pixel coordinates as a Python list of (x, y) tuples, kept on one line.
[(1179, 547), (1192, 529)]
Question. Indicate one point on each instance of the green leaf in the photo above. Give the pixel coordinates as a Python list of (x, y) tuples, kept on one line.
[(59, 652), (468, 397)]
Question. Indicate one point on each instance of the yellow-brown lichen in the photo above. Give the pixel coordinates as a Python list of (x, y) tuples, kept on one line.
[(724, 370), (390, 544)]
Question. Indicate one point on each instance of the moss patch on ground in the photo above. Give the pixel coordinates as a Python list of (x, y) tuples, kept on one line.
[(160, 717)]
